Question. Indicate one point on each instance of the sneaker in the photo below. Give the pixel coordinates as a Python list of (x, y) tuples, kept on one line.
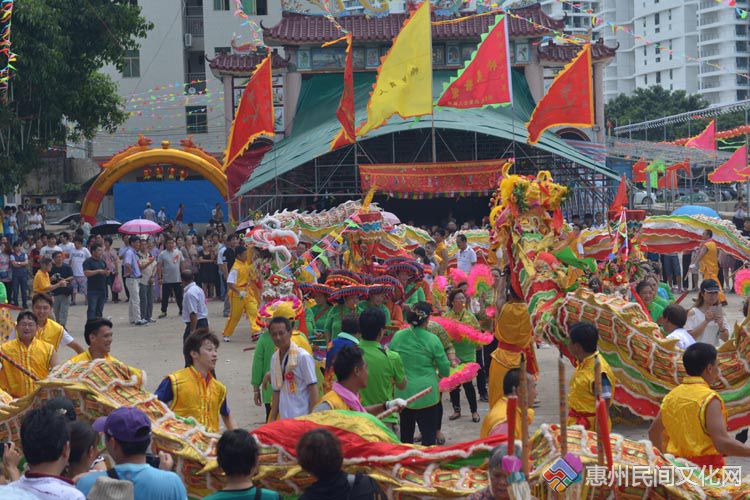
[(226, 339), (162, 315), (141, 322), (150, 320)]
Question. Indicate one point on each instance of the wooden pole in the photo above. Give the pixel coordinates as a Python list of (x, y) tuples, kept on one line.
[(393, 410), (563, 405), (524, 403)]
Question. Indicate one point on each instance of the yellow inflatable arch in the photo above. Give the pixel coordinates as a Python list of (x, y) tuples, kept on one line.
[(192, 159)]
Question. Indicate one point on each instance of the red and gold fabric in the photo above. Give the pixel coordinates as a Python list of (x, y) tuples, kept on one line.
[(197, 397), (35, 359), (514, 336), (581, 400), (85, 356), (683, 413), (498, 415)]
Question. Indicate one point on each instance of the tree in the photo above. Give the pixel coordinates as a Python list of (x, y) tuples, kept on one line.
[(57, 92), (652, 103)]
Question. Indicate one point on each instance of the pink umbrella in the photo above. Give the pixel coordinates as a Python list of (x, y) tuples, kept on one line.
[(140, 226)]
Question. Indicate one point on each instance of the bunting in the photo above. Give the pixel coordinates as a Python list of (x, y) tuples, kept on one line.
[(706, 140), (735, 169), (345, 111), (254, 115), (569, 100), (485, 79), (404, 82)]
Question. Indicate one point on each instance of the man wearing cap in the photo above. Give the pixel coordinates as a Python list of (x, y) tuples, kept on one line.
[(194, 391), (98, 336), (244, 293), (127, 434), (30, 359)]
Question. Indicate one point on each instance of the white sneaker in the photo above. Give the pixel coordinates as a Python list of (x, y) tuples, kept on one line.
[(141, 322), (226, 339)]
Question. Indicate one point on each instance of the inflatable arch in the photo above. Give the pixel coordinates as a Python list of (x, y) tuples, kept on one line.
[(113, 172)]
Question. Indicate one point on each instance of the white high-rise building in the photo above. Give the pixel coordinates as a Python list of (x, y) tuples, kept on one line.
[(166, 85), (577, 14), (699, 46)]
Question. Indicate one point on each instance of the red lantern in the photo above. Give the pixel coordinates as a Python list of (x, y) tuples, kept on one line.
[(171, 173), (159, 172), (146, 174), (183, 174)]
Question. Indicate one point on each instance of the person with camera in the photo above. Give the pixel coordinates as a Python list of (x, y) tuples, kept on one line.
[(43, 281), (127, 435)]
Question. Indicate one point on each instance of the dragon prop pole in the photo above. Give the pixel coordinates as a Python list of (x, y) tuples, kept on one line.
[(563, 405), (393, 410), (523, 395), (597, 396), (510, 417)]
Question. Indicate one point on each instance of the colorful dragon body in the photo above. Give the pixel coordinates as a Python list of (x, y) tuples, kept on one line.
[(524, 235)]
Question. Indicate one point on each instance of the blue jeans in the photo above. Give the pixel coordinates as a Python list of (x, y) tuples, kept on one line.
[(19, 286), (95, 300)]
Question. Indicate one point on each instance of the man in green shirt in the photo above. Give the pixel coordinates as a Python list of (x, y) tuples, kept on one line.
[(376, 299), (385, 369), (264, 349)]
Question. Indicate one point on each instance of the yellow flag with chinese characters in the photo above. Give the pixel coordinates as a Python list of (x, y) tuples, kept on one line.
[(404, 82)]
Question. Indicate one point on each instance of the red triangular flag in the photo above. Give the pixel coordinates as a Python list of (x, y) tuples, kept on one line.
[(735, 169), (485, 80), (621, 198), (569, 100), (254, 115), (705, 140), (345, 111)]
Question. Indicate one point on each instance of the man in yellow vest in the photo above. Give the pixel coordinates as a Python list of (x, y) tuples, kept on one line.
[(351, 375), (581, 400), (496, 421), (707, 260), (25, 359), (98, 335), (244, 293), (51, 331), (692, 422), (194, 391)]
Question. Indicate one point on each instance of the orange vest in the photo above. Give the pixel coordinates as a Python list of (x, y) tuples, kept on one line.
[(499, 415), (683, 412), (581, 401), (35, 359), (51, 332), (194, 396)]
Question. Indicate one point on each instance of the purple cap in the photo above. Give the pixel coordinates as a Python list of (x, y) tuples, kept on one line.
[(126, 424)]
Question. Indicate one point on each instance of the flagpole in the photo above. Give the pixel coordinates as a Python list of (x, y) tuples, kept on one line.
[(432, 98)]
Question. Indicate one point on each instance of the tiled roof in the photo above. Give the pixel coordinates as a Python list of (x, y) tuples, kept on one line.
[(301, 28), (242, 64), (566, 52)]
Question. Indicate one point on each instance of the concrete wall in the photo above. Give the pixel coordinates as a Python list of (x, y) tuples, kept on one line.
[(55, 173)]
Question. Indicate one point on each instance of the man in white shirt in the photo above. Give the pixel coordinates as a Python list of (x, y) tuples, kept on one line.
[(673, 320), (66, 246), (77, 256), (149, 213), (194, 309), (466, 257), (45, 439), (293, 376), (50, 248)]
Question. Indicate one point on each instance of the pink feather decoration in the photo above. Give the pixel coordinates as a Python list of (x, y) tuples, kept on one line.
[(742, 282), (457, 276), (440, 283), (459, 376), (480, 278), (459, 332), (490, 311)]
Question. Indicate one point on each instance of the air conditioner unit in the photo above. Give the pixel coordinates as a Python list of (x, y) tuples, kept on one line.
[(188, 40)]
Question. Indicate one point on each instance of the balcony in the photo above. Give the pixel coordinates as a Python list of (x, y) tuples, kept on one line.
[(195, 83), (194, 25)]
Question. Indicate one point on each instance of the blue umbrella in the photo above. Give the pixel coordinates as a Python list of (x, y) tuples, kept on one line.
[(696, 210)]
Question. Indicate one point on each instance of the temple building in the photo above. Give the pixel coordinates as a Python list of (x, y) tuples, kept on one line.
[(299, 171)]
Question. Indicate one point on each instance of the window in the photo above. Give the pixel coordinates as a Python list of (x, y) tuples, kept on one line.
[(132, 65), (221, 4), (670, 74), (646, 79), (645, 51), (741, 95), (742, 63), (740, 29), (656, 19), (261, 7), (222, 50), (658, 77), (197, 119), (741, 46), (670, 50)]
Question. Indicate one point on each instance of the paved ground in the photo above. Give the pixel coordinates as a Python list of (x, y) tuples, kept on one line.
[(156, 348)]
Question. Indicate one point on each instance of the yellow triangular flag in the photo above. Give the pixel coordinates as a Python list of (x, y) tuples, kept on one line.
[(404, 83)]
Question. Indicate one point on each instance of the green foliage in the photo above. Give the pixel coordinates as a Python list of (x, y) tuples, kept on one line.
[(57, 92)]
